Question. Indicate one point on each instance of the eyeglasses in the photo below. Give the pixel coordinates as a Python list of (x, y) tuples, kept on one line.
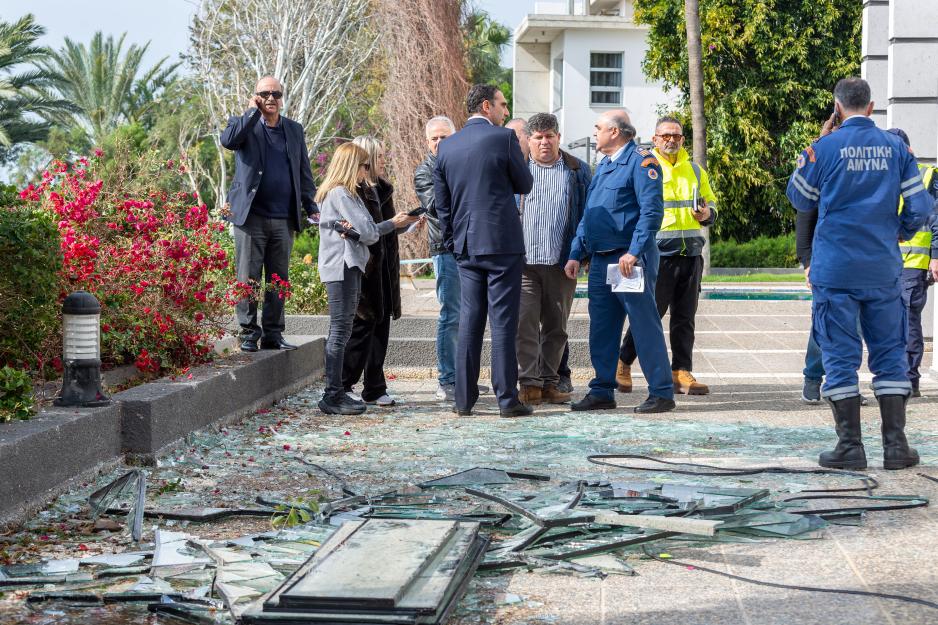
[(276, 95), (367, 166), (670, 137)]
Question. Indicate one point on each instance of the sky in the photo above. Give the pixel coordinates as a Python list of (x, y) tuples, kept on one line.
[(164, 23)]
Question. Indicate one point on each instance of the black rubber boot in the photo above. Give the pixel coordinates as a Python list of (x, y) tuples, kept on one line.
[(849, 453), (896, 451)]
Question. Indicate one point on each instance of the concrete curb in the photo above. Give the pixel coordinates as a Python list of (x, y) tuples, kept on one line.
[(60, 447)]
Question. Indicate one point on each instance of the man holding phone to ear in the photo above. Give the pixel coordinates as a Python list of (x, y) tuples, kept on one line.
[(271, 198)]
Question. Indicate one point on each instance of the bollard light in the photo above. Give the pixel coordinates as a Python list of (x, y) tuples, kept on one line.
[(81, 351)]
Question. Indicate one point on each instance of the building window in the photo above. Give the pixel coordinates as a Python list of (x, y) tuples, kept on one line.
[(558, 84), (605, 78)]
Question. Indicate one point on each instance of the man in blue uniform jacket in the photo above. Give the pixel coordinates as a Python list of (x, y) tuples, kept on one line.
[(478, 172), (854, 178), (624, 207)]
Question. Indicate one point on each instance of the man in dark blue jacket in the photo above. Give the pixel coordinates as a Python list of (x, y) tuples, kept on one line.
[(478, 172), (550, 214), (270, 199), (623, 213)]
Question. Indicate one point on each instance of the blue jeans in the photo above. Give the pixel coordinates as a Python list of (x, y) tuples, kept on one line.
[(447, 328)]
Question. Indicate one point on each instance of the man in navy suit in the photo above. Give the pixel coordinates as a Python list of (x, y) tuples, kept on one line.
[(479, 170), (271, 198)]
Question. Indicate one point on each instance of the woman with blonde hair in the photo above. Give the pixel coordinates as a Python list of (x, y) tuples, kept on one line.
[(380, 299), (346, 231)]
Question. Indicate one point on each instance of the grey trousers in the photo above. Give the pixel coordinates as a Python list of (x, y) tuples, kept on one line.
[(343, 303), (546, 299), (262, 245)]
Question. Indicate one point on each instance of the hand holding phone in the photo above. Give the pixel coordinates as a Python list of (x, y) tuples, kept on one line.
[(417, 212)]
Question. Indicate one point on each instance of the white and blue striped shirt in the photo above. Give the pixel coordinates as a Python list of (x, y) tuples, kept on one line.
[(544, 213)]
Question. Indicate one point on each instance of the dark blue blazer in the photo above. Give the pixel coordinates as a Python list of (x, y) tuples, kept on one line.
[(478, 172), (245, 136)]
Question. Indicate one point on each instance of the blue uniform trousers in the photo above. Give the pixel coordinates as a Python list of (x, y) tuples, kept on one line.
[(608, 311), (883, 323), (490, 286), (914, 296)]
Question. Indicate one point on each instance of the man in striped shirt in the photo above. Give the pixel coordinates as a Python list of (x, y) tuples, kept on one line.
[(550, 214)]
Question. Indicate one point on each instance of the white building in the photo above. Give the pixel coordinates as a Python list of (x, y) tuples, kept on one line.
[(577, 58), (900, 61)]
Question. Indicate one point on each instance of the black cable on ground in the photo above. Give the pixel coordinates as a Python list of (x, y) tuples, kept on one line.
[(706, 470), (840, 591), (927, 477)]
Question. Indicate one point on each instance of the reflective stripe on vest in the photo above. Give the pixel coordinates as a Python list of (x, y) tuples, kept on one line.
[(916, 252)]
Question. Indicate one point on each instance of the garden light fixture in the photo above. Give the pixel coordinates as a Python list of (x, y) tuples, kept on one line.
[(81, 347)]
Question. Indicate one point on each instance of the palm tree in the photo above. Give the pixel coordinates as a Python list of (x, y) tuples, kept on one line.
[(108, 85), (698, 117), (23, 105), (484, 39)]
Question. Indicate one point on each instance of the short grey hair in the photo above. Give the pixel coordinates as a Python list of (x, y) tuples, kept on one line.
[(621, 122), (853, 93), (543, 122), (439, 120), (524, 125)]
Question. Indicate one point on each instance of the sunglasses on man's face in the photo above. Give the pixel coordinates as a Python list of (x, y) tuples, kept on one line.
[(276, 95), (670, 137)]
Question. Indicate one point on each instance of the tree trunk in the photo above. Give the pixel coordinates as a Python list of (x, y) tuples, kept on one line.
[(695, 79)]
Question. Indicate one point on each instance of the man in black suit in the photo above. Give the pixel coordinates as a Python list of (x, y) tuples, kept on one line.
[(271, 198), (479, 170)]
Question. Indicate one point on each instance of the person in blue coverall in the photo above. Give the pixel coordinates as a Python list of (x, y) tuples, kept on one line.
[(624, 207), (854, 177)]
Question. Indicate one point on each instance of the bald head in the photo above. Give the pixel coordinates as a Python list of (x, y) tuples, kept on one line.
[(268, 97), (520, 126), (612, 130)]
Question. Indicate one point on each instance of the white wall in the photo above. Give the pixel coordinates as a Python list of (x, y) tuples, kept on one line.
[(531, 83), (640, 97)]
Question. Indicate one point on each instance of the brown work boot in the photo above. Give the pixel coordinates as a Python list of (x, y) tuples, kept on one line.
[(551, 395), (624, 378), (530, 395), (685, 382)]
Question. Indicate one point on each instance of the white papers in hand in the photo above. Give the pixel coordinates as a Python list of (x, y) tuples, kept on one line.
[(621, 284)]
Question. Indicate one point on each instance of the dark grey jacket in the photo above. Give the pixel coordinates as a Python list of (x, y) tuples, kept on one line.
[(423, 186), (245, 137)]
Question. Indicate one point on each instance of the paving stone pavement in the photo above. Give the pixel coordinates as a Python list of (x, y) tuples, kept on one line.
[(751, 353)]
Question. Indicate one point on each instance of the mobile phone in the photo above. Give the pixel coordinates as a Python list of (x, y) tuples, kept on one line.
[(837, 119), (337, 226), (417, 212)]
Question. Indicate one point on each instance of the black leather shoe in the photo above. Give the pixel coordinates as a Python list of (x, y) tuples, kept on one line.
[(278, 344), (518, 410), (461, 413), (655, 404), (249, 345), (342, 404), (591, 402)]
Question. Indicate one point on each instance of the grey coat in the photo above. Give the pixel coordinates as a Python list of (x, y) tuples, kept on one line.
[(334, 251)]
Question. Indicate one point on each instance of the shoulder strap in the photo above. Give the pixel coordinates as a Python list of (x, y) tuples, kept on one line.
[(696, 169)]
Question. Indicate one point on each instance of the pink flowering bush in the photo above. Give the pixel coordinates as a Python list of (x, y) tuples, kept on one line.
[(150, 253)]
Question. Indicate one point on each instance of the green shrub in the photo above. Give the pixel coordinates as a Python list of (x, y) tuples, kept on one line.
[(307, 244), (16, 394), (759, 252), (29, 282), (308, 292)]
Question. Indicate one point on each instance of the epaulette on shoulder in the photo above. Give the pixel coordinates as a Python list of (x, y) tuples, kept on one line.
[(649, 161), (644, 152)]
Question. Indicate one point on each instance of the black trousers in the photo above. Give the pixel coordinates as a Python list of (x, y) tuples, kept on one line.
[(364, 355), (262, 245), (678, 288), (490, 286)]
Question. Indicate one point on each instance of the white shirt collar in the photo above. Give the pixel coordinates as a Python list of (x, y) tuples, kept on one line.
[(618, 153), (479, 116)]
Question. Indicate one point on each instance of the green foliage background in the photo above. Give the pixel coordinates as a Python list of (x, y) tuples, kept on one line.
[(769, 69)]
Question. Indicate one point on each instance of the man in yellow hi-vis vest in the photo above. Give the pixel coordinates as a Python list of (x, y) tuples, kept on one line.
[(919, 270), (689, 203)]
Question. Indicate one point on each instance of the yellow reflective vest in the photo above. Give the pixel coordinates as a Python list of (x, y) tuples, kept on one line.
[(680, 233), (916, 252)]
